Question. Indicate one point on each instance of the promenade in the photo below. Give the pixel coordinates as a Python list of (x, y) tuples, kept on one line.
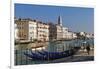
[(78, 57)]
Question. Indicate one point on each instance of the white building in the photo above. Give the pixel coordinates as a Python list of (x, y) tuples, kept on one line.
[(65, 32), (82, 33), (59, 32), (27, 29), (59, 29), (89, 35), (74, 35), (70, 35), (32, 30), (16, 32)]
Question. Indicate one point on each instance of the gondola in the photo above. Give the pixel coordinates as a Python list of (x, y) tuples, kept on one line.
[(45, 55), (35, 56), (55, 55)]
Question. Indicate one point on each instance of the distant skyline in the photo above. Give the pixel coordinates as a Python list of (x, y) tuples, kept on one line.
[(77, 19)]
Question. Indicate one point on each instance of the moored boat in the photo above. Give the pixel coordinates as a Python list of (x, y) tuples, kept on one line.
[(45, 55)]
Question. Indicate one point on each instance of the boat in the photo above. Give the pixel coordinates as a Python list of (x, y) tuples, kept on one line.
[(56, 55), (45, 55), (35, 56)]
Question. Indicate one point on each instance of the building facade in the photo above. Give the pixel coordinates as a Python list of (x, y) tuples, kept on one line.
[(32, 33), (65, 33), (59, 29), (16, 32), (26, 29), (82, 33), (59, 35), (52, 32), (88, 35), (30, 30), (74, 35), (22, 26), (70, 35), (42, 31)]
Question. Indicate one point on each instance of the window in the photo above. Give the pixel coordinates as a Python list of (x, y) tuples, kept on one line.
[(31, 32), (31, 27)]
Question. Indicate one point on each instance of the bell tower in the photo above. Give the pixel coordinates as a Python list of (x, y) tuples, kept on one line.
[(60, 20)]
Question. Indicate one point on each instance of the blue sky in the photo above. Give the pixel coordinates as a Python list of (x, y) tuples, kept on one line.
[(75, 18)]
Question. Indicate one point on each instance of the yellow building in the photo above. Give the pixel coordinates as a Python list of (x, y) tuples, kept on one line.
[(27, 29), (43, 31), (59, 32)]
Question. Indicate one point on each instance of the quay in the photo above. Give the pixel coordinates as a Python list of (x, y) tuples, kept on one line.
[(78, 57)]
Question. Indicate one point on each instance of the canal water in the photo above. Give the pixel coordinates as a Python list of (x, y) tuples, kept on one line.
[(58, 46)]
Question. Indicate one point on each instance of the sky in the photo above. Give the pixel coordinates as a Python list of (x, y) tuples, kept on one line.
[(77, 19)]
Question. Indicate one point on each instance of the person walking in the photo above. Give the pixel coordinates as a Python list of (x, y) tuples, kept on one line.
[(88, 49)]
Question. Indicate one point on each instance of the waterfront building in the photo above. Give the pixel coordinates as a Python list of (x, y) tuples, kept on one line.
[(74, 35), (89, 35), (82, 33), (27, 29), (16, 32), (30, 30), (43, 31), (52, 31), (70, 35), (59, 29), (65, 33)]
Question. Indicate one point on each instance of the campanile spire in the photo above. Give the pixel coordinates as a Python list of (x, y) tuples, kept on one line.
[(60, 20)]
